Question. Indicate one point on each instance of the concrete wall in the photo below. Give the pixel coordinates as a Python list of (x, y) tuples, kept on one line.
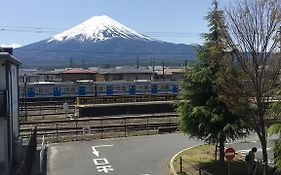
[(122, 109)]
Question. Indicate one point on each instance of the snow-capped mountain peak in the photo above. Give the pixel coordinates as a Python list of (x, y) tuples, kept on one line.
[(99, 28)]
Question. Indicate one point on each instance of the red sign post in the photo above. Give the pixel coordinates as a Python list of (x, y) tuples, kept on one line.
[(229, 154)]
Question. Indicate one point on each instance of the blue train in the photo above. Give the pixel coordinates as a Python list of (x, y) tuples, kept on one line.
[(87, 88)]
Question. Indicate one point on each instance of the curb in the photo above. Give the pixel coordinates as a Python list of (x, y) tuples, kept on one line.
[(172, 168)]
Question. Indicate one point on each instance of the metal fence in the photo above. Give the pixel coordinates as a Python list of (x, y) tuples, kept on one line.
[(26, 164), (186, 170)]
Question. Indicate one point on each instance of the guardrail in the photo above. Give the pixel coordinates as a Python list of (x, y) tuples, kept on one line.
[(183, 169)]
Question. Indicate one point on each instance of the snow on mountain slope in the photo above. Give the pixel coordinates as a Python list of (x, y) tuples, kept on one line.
[(99, 28)]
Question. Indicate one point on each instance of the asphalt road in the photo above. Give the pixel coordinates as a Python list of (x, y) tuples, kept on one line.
[(143, 155)]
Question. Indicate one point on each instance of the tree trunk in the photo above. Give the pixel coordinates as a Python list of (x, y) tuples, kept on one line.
[(216, 151), (264, 152), (222, 140)]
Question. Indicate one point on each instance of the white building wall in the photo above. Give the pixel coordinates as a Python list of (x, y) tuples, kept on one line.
[(2, 75), (9, 126), (3, 122), (15, 99), (3, 147)]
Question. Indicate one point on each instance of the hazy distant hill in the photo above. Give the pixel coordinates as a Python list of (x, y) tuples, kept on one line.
[(102, 40)]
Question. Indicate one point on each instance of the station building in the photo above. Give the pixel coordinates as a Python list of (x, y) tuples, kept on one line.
[(9, 110)]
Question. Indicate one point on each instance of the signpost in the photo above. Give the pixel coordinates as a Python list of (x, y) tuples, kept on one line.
[(65, 108), (229, 154), (86, 130)]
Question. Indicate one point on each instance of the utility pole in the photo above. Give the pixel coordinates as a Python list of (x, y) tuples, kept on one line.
[(153, 71), (25, 100), (163, 68), (71, 62), (138, 61), (185, 65)]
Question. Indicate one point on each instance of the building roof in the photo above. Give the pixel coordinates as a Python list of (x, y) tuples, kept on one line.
[(124, 70), (8, 57), (78, 71), (170, 71)]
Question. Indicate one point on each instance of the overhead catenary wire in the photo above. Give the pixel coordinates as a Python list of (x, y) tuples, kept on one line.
[(43, 30), (107, 52)]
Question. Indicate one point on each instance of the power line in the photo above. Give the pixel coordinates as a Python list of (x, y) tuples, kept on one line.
[(106, 52), (7, 28)]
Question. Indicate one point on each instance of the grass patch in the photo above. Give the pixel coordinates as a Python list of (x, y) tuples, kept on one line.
[(204, 157)]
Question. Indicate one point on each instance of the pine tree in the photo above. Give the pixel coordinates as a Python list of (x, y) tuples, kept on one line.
[(202, 113)]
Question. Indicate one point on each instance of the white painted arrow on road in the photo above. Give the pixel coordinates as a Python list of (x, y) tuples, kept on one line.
[(97, 153)]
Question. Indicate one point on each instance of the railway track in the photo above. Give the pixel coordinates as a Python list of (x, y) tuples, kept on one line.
[(102, 127), (50, 119)]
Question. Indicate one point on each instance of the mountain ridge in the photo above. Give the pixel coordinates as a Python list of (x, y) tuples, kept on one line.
[(99, 28), (102, 40)]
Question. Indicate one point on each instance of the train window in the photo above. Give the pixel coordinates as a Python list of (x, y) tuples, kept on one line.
[(124, 88), (143, 87), (71, 89), (101, 88), (165, 87), (41, 89), (66, 89), (120, 77), (90, 88)]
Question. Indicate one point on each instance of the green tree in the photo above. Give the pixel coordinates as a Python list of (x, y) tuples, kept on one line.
[(275, 112), (253, 27), (202, 112)]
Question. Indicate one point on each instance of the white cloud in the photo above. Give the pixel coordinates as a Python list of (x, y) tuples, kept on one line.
[(13, 45)]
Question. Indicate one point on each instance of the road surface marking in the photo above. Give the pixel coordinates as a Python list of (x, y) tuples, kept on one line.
[(95, 152), (102, 164), (101, 161)]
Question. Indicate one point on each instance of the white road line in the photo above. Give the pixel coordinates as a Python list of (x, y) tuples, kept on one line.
[(97, 153)]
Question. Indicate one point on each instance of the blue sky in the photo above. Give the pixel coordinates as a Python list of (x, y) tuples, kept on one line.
[(177, 21)]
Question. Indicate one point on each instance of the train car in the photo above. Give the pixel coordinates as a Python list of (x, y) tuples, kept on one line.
[(89, 88), (85, 88), (165, 87), (41, 89), (114, 88), (143, 87)]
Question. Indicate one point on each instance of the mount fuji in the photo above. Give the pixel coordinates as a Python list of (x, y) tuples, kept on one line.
[(102, 40)]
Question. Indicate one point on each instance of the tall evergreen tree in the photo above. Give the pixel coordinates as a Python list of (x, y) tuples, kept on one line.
[(202, 113)]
